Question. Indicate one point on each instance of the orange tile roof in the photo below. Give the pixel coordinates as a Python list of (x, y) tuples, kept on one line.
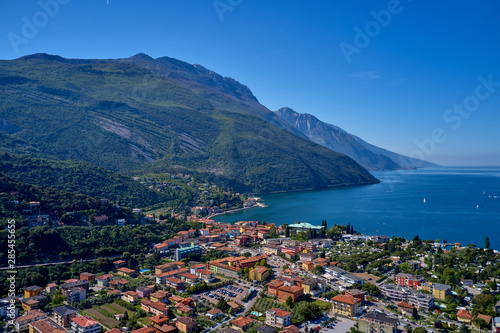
[(47, 326), (463, 314), (84, 321), (242, 321), (348, 299), (280, 313)]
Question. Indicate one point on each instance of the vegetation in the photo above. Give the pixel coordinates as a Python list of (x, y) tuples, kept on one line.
[(103, 113)]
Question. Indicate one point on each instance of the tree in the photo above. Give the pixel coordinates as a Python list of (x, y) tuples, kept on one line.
[(222, 305), (125, 316), (396, 270), (348, 229), (419, 330), (289, 302), (415, 313), (464, 329), (480, 323), (486, 243), (324, 224), (285, 266), (263, 262), (319, 270), (287, 232)]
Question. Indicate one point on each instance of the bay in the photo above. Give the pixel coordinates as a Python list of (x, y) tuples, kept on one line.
[(462, 204)]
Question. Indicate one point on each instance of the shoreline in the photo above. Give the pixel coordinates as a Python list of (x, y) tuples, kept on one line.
[(231, 211)]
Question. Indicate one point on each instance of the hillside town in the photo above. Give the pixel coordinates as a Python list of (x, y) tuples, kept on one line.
[(258, 277)]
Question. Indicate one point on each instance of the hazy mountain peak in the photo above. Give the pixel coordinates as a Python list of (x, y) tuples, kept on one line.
[(337, 139)]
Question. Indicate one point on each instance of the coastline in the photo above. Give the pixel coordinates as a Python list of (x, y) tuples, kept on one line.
[(233, 210)]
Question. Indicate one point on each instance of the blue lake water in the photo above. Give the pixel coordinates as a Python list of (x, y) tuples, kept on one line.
[(462, 204)]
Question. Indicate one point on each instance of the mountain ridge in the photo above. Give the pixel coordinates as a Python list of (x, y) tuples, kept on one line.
[(131, 115), (337, 139)]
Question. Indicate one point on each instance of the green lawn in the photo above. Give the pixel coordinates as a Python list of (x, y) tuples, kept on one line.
[(323, 305)]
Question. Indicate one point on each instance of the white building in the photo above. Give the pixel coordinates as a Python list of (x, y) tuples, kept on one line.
[(85, 324)]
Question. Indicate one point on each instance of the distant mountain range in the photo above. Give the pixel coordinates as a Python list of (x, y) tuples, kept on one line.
[(336, 139), (139, 115)]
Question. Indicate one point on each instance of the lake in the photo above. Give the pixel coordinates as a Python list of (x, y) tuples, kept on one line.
[(457, 204)]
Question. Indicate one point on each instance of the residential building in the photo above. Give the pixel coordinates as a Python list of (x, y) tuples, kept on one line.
[(8, 308), (64, 314), (214, 313), (294, 292), (76, 295), (143, 292), (464, 316), (259, 273), (359, 295), (438, 290), (32, 291), (125, 271), (103, 280), (307, 265), (242, 323), (290, 329), (85, 324), (159, 319), (273, 286), (130, 296), (87, 276), (226, 270), (22, 322), (352, 279), (174, 282), (278, 318), (314, 286), (405, 308), (119, 263), (271, 249), (335, 271), (189, 278), (495, 325), (165, 328), (307, 256), (409, 295), (345, 305), (84, 284), (186, 324), (184, 252), (197, 267), (205, 275), (46, 325), (409, 280), (158, 296), (51, 287), (377, 322), (146, 329), (156, 308)]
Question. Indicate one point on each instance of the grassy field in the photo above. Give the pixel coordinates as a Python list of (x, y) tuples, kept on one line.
[(323, 305), (105, 321)]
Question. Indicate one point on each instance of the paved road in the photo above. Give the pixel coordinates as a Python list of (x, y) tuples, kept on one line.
[(55, 263)]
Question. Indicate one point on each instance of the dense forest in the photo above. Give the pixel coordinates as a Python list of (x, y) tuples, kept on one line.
[(43, 244)]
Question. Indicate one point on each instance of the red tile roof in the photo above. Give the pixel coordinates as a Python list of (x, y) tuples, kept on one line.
[(242, 321), (84, 321), (280, 313), (348, 299)]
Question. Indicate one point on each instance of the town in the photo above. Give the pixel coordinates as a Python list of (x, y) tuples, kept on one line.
[(259, 277)]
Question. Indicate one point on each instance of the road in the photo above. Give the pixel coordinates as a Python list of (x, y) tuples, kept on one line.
[(55, 263)]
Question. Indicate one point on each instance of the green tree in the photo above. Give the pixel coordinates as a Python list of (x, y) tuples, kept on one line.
[(464, 329), (487, 243), (222, 305), (319, 270), (287, 232), (289, 302), (419, 330)]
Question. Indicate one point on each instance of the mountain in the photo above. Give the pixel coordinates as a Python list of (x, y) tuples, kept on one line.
[(148, 115), (79, 177), (336, 139)]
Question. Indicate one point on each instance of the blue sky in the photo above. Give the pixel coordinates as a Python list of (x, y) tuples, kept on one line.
[(387, 71)]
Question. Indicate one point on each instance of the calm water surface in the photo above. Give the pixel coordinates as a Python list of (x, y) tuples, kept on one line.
[(461, 205)]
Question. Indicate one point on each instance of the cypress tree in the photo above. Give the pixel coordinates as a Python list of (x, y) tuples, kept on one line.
[(487, 243)]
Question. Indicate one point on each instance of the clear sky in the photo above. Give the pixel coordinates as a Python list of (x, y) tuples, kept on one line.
[(420, 78)]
